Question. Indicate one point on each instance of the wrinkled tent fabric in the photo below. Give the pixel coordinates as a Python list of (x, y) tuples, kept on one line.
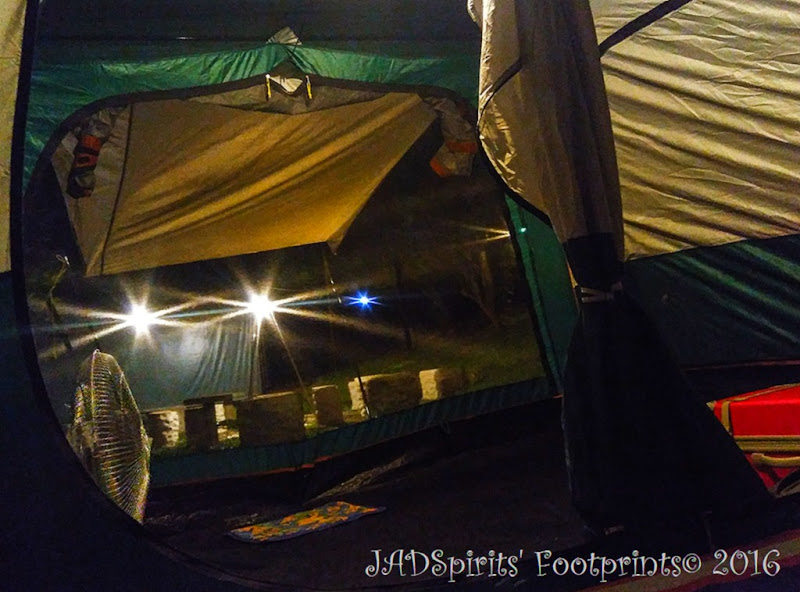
[(705, 122), (704, 109), (640, 446), (12, 17), (189, 181)]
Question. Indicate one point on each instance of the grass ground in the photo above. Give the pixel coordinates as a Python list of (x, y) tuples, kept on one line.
[(493, 355), (489, 355)]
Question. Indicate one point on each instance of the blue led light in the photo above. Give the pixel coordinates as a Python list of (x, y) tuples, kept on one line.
[(362, 299)]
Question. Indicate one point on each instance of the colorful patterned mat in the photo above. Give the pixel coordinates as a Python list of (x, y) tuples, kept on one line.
[(295, 525)]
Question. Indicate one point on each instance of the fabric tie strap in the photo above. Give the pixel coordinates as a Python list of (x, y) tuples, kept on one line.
[(593, 295)]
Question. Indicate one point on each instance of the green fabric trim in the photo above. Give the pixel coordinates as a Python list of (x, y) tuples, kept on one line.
[(546, 271), (734, 303), (238, 462), (457, 73)]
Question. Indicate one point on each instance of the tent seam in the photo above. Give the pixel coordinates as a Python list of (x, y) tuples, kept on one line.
[(640, 22)]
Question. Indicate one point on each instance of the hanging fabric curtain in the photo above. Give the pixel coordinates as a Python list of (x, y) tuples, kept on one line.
[(640, 445)]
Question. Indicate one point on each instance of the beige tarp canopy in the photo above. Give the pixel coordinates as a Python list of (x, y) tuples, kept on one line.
[(180, 180)]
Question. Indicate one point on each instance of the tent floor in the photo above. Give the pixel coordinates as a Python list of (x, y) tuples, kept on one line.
[(505, 495)]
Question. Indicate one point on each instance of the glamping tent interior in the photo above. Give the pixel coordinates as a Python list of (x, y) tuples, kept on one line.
[(426, 260)]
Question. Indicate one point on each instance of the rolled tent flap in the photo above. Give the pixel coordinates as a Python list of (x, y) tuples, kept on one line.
[(641, 447), (181, 181), (535, 107)]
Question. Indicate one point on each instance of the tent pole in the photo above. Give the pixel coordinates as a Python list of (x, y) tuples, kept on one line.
[(254, 365)]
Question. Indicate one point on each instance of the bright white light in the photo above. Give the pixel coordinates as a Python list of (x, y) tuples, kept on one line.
[(140, 318), (364, 300), (262, 307)]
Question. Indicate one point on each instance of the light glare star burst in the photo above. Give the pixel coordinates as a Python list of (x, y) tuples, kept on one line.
[(362, 299), (85, 325), (140, 318), (262, 307)]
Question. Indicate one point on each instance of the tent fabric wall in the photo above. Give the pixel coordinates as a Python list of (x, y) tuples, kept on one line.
[(527, 141), (706, 123), (200, 181), (12, 17), (725, 305), (641, 447)]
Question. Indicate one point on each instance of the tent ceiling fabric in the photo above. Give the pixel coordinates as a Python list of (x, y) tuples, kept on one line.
[(12, 17), (204, 181), (705, 122)]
